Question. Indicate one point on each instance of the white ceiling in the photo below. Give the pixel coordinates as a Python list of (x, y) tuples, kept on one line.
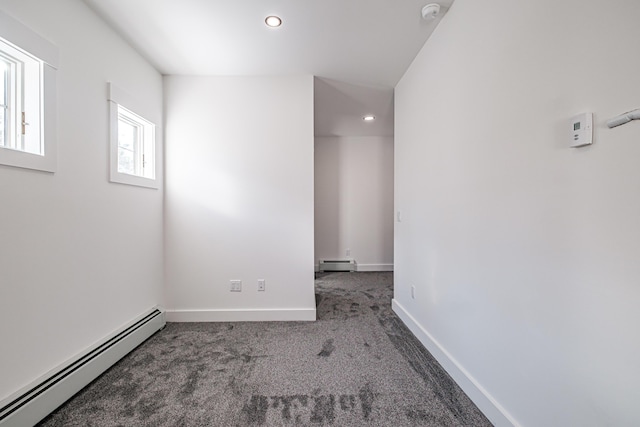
[(358, 48)]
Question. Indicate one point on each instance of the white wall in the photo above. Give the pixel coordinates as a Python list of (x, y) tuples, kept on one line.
[(239, 197), (354, 200), (524, 252), (79, 256)]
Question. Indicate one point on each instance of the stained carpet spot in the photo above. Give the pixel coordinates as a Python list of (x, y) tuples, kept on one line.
[(256, 409), (423, 417), (327, 348), (287, 403), (367, 397), (146, 407), (192, 381), (127, 411), (324, 409), (347, 402)]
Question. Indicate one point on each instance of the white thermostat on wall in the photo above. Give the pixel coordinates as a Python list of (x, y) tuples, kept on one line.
[(581, 130)]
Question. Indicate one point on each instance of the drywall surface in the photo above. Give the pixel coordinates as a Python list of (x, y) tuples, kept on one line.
[(79, 256), (523, 251), (354, 201), (239, 197)]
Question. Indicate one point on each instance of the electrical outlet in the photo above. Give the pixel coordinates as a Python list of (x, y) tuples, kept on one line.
[(261, 285), (348, 252), (413, 292), (236, 286)]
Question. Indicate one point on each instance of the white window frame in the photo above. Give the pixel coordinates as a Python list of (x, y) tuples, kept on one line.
[(143, 150), (24, 39), (122, 106)]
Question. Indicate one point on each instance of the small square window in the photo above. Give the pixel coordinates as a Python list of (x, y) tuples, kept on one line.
[(133, 145)]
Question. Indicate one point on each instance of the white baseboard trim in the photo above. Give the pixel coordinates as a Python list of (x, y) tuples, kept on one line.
[(242, 315), (483, 400), (375, 267), (32, 403)]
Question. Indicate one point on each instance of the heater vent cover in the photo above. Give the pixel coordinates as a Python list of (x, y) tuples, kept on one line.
[(338, 265)]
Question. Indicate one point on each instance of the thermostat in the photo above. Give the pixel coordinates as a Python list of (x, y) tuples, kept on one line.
[(581, 130)]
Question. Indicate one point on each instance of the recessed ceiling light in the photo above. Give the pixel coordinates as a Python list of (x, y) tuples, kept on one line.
[(369, 118), (273, 21)]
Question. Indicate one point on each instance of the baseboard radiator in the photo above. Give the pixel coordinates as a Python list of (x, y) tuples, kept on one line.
[(35, 402), (337, 265)]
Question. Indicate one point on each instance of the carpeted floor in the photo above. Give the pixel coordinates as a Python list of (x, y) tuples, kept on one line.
[(358, 365)]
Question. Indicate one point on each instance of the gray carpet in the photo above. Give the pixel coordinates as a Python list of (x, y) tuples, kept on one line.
[(358, 365)]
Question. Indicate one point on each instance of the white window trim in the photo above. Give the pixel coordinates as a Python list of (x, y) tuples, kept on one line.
[(27, 40), (118, 97)]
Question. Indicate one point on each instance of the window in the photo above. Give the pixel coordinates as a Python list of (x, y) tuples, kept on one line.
[(27, 98), (133, 144), (20, 95), (4, 101)]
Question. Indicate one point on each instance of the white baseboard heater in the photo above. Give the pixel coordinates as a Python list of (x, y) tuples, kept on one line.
[(33, 403), (337, 265)]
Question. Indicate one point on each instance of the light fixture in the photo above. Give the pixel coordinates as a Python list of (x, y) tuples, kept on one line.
[(430, 11), (273, 21), (369, 118)]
